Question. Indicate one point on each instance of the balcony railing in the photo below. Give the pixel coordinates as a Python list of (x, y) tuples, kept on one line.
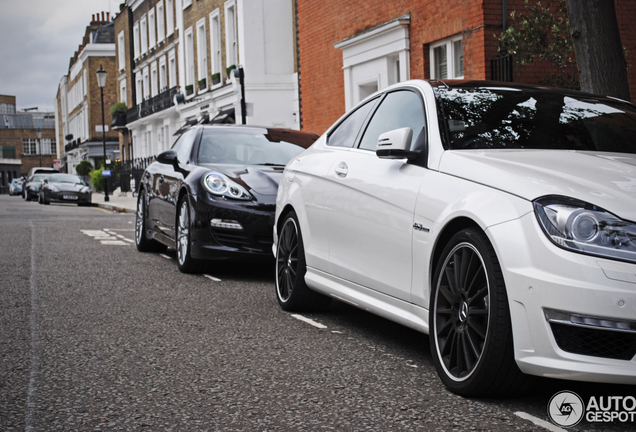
[(501, 68), (153, 105)]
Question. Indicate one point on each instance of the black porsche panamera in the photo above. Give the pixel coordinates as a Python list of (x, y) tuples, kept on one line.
[(212, 196)]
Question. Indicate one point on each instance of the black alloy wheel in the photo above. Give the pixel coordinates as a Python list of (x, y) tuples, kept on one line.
[(470, 327), (292, 292), (143, 243)]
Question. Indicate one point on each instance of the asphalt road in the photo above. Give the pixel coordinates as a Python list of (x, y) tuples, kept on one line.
[(97, 336)]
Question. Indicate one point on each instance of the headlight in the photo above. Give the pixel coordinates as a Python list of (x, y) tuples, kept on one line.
[(582, 227), (219, 184), (52, 188), (85, 189)]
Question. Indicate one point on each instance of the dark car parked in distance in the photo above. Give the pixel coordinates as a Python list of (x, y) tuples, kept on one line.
[(32, 186), (68, 188), (213, 195)]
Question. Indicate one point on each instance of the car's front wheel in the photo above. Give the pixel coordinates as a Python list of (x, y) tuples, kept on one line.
[(185, 262), (291, 290), (143, 243), (470, 327)]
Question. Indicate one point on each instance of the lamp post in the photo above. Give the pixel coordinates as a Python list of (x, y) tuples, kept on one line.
[(39, 132), (101, 82)]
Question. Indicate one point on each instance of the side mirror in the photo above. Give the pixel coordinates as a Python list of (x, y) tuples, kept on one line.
[(168, 157), (396, 144)]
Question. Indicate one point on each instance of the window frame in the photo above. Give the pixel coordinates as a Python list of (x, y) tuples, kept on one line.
[(152, 29), (216, 56), (449, 43), (231, 38), (143, 30), (161, 22), (136, 41), (170, 26), (121, 51), (202, 52)]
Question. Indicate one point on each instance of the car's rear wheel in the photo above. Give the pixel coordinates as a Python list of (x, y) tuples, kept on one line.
[(144, 244), (292, 292), (470, 327), (185, 262)]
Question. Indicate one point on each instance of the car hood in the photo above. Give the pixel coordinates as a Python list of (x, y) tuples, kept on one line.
[(68, 186), (607, 180), (261, 179)]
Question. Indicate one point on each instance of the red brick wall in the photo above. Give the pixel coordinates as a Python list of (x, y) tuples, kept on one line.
[(321, 24)]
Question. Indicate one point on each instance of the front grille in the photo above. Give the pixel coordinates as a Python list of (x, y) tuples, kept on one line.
[(592, 342), (231, 239)]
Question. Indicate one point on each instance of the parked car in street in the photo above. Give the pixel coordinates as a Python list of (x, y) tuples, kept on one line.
[(212, 196), (32, 186), (65, 188), (499, 219), (15, 187)]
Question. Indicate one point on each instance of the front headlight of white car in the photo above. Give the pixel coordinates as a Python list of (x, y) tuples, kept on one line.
[(221, 185), (582, 227)]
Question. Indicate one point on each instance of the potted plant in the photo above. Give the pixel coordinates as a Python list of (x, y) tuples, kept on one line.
[(216, 78), (118, 111), (203, 83), (189, 89), (69, 137), (229, 70)]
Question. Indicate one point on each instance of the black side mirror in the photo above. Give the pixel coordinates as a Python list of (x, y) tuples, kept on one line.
[(168, 157)]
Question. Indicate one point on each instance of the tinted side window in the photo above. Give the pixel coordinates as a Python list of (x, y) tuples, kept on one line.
[(345, 134), (398, 110), (183, 146)]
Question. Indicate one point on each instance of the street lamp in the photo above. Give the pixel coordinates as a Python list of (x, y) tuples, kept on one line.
[(101, 82), (39, 132)]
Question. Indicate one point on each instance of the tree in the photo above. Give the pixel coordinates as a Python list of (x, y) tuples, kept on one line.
[(542, 31), (597, 45), (84, 168)]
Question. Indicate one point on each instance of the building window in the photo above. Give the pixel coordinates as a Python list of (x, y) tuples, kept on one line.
[(215, 42), (152, 26), (136, 41), (48, 146), (29, 146), (163, 75), (202, 49), (7, 108), (172, 69), (121, 50), (139, 88), (169, 17), (231, 46), (154, 80), (123, 96), (143, 28), (161, 23), (189, 58), (146, 78), (8, 152), (447, 59)]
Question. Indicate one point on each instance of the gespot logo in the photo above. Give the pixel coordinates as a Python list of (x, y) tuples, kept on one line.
[(566, 409)]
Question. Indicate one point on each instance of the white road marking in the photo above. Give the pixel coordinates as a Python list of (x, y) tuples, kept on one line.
[(309, 321), (35, 343), (166, 256), (544, 424), (213, 278), (94, 233), (114, 243)]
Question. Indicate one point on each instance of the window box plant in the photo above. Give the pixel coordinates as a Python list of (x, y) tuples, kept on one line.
[(189, 89), (229, 70), (203, 83), (216, 78)]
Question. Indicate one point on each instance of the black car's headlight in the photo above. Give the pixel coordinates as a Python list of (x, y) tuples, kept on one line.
[(582, 227), (221, 185)]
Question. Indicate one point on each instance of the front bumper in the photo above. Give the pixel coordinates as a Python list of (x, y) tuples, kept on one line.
[(223, 239), (573, 315), (69, 197)]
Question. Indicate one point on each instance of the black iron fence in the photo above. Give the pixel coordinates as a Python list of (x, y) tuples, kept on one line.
[(131, 172), (501, 68)]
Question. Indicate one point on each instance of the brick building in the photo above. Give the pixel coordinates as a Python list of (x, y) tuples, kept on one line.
[(78, 100), (27, 140), (348, 50)]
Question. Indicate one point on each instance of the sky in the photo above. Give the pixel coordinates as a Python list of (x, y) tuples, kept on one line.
[(37, 40)]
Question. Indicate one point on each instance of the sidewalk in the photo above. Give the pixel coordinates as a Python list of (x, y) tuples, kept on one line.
[(117, 201)]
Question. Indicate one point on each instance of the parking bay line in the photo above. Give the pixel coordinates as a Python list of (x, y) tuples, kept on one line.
[(537, 421), (212, 278), (309, 321), (166, 256)]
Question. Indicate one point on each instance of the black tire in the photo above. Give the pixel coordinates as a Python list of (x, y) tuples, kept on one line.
[(183, 240), (470, 328), (143, 243), (292, 292)]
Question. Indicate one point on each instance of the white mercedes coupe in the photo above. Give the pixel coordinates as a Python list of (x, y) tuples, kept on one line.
[(498, 219)]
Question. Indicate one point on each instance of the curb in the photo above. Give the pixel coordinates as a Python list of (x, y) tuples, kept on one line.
[(113, 207)]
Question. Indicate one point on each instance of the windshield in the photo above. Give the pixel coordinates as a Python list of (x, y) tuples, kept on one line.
[(508, 118), (66, 178), (40, 177), (249, 148)]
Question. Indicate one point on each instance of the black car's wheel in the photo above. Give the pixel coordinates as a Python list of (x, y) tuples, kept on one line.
[(292, 292), (185, 262), (470, 328), (144, 244), (45, 201)]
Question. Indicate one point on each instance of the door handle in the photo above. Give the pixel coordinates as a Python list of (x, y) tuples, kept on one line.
[(342, 170)]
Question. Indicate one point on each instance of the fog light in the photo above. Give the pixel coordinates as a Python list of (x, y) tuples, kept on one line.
[(226, 223)]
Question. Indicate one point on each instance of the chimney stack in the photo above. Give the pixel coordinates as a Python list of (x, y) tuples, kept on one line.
[(103, 16), (108, 16), (93, 19)]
